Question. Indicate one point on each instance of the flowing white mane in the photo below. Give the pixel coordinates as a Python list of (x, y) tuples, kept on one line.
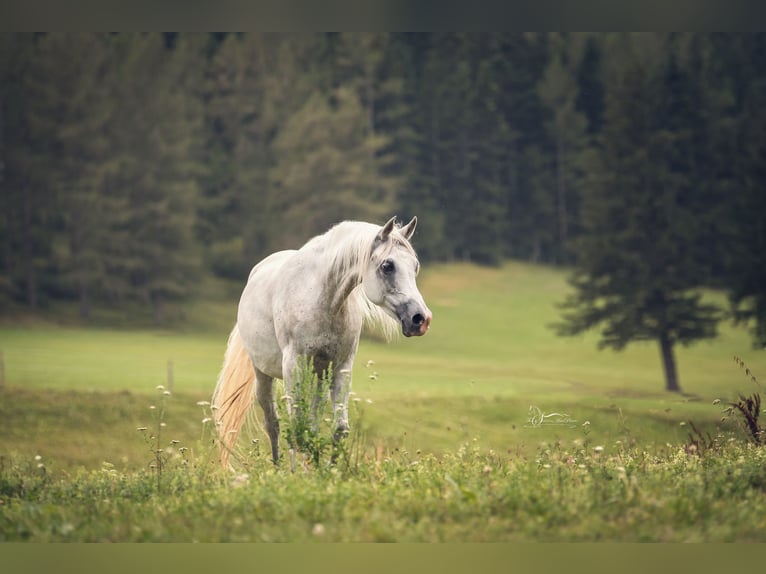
[(348, 247)]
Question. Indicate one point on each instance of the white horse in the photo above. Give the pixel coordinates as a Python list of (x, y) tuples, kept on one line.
[(311, 304)]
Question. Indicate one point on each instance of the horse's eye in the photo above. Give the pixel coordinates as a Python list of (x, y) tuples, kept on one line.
[(387, 267)]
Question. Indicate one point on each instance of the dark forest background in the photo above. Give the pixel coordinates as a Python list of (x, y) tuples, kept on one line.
[(134, 166)]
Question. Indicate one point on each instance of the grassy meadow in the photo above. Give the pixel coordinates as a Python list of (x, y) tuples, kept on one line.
[(443, 447)]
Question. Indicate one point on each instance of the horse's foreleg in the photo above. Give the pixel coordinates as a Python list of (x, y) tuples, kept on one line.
[(341, 386), (264, 390)]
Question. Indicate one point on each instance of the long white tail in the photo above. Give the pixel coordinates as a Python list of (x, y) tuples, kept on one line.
[(233, 395)]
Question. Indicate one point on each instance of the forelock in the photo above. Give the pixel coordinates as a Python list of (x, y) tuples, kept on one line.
[(381, 250)]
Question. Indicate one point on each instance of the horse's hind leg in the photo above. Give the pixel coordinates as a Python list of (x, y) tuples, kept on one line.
[(264, 390)]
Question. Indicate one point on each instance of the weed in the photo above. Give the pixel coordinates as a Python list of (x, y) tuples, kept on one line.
[(699, 442), (310, 422), (307, 414), (347, 452), (749, 408), (153, 436), (748, 372)]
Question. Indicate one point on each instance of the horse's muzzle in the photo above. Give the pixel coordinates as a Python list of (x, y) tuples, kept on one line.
[(416, 324)]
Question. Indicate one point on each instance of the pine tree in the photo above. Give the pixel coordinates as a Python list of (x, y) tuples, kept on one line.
[(322, 173), (531, 216), (534, 229), (429, 53), (17, 235), (566, 130), (72, 110), (398, 118), (159, 133), (220, 213), (375, 65), (255, 84), (451, 107), (635, 278), (490, 140), (469, 140), (746, 202), (30, 192), (590, 85)]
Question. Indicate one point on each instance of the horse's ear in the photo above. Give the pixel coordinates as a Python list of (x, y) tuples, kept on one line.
[(409, 229), (387, 229)]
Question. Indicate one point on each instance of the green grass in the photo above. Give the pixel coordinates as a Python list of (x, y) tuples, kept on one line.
[(435, 413), (569, 492), (53, 357)]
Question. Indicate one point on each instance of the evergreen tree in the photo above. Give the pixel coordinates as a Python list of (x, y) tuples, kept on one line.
[(19, 235), (399, 119), (228, 98), (322, 173), (531, 216), (380, 68), (428, 193), (635, 278), (72, 107), (490, 140), (747, 216), (566, 129), (534, 232), (469, 142), (590, 85), (30, 193), (159, 131), (256, 83)]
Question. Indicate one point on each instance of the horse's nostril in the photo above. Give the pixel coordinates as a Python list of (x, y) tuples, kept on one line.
[(418, 320)]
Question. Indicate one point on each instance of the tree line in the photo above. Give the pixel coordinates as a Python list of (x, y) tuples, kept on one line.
[(132, 165)]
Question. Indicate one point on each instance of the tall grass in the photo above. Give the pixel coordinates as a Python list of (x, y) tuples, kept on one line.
[(568, 492)]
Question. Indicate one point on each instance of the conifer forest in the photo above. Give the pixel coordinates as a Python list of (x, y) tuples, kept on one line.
[(135, 166)]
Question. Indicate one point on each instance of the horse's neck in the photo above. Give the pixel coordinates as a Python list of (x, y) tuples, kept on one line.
[(343, 276)]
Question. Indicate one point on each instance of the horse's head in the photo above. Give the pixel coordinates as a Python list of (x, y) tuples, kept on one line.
[(389, 281)]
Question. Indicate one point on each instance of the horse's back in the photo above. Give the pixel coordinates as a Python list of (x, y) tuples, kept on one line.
[(271, 263)]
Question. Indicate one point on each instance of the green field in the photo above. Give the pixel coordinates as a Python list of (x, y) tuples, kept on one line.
[(447, 450)]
